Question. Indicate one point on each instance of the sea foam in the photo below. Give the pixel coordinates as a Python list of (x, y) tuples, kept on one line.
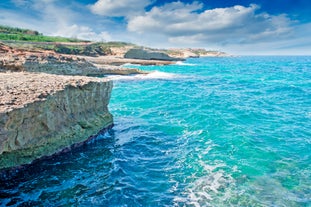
[(153, 75), (185, 64)]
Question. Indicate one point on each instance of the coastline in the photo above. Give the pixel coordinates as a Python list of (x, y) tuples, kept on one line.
[(42, 114), (51, 102), (13, 172)]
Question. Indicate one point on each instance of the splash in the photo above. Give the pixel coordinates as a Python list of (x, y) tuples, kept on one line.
[(185, 64), (209, 188), (158, 75), (130, 64)]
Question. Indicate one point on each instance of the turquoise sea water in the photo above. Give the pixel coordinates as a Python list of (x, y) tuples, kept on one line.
[(205, 132)]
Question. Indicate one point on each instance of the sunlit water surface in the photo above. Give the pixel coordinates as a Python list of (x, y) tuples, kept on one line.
[(205, 132)]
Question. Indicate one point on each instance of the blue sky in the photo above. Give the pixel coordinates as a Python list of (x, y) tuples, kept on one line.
[(242, 27)]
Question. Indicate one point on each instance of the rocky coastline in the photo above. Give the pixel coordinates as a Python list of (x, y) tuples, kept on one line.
[(21, 60), (48, 105), (52, 102), (43, 114)]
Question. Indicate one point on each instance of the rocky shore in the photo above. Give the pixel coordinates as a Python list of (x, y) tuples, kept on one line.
[(48, 104), (21, 60), (51, 102), (120, 61), (43, 114)]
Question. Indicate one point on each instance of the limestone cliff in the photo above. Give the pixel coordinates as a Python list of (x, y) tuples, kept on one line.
[(42, 114)]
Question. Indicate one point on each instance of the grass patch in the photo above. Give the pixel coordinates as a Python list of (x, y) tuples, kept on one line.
[(18, 34), (35, 38)]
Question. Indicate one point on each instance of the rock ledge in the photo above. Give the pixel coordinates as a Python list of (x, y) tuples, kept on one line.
[(42, 114)]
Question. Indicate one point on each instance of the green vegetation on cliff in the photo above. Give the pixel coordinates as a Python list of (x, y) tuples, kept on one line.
[(33, 40), (29, 39), (78, 48), (15, 30), (18, 34), (93, 49)]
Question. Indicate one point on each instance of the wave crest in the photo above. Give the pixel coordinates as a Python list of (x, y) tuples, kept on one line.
[(153, 75), (183, 63)]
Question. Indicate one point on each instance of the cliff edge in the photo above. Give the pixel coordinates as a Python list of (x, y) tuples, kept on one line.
[(43, 114)]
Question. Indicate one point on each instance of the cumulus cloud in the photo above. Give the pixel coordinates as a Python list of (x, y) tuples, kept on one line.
[(119, 8), (182, 23), (175, 24), (83, 32)]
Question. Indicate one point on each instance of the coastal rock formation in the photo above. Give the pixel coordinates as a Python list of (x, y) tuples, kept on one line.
[(42, 114), (144, 54), (113, 62), (18, 60), (194, 53)]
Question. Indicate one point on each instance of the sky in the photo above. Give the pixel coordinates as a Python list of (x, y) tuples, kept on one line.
[(238, 27)]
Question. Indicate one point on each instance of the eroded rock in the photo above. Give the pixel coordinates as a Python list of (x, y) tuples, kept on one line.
[(42, 114)]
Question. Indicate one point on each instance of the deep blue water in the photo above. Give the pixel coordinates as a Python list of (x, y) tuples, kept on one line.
[(206, 132)]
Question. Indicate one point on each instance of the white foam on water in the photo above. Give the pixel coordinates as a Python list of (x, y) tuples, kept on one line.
[(183, 63), (130, 64), (153, 75), (204, 190)]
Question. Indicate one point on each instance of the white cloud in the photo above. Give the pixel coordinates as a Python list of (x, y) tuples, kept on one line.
[(182, 23), (83, 32), (50, 18), (9, 18), (237, 29), (57, 17), (119, 8)]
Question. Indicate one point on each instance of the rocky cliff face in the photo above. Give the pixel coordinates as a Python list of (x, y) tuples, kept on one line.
[(42, 114)]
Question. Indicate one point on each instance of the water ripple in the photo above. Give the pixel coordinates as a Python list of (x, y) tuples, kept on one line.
[(210, 132)]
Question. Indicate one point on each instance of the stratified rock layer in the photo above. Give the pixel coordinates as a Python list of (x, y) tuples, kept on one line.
[(42, 114)]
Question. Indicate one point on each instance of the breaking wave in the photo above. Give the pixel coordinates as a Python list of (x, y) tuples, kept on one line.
[(185, 64), (153, 75)]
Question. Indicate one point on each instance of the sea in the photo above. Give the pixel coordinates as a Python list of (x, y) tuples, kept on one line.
[(214, 131)]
